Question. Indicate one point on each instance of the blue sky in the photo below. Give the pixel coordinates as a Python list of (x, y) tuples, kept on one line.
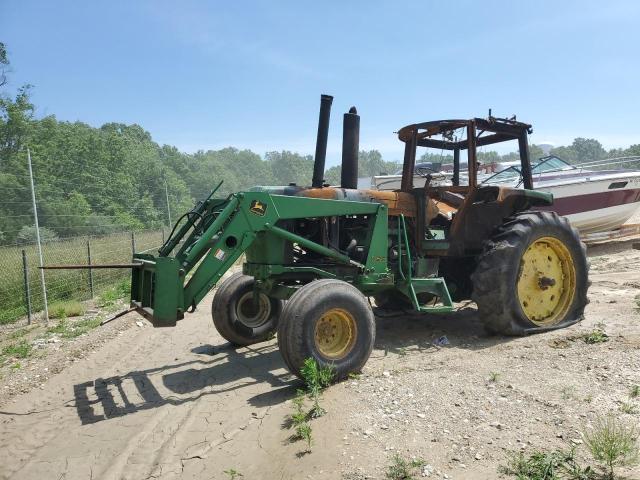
[(202, 75)]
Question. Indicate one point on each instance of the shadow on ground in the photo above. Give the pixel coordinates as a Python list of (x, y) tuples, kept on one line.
[(223, 369), (399, 333)]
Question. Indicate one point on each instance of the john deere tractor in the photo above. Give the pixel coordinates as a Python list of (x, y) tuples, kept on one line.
[(316, 256)]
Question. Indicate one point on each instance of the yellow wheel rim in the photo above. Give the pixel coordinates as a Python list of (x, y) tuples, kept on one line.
[(546, 281), (335, 333)]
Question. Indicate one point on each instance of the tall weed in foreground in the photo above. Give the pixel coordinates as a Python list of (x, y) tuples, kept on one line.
[(613, 444)]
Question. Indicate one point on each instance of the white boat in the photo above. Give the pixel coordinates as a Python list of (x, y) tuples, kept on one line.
[(593, 199)]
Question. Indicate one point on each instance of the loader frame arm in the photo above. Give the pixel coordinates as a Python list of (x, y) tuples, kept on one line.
[(164, 287)]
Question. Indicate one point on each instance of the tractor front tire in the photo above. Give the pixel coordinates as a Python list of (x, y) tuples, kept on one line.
[(330, 321), (532, 275), (238, 317)]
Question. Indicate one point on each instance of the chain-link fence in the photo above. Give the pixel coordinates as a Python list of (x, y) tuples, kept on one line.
[(20, 286)]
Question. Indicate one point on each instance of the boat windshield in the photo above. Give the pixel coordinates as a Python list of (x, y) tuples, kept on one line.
[(550, 164), (543, 165), (508, 175)]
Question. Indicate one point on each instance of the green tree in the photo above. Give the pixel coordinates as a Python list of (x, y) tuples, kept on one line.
[(288, 167), (4, 64), (588, 149), (581, 150), (332, 175), (28, 235)]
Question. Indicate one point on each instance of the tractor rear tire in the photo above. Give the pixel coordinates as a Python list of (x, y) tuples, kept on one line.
[(532, 275), (330, 321), (235, 315)]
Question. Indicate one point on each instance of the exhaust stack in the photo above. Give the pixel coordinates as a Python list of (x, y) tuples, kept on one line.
[(350, 148), (321, 142)]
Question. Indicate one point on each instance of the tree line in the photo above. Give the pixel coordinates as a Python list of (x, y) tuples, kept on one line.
[(93, 181)]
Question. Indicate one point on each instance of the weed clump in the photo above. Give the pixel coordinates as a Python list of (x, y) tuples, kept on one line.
[(613, 444), (402, 469), (595, 336), (540, 465), (16, 350), (316, 379), (233, 473)]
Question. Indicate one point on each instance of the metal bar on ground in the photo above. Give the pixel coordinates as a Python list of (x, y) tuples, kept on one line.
[(118, 315), (27, 292)]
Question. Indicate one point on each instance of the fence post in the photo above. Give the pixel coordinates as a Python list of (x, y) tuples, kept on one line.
[(27, 292), (133, 243), (91, 269), (37, 225), (162, 235)]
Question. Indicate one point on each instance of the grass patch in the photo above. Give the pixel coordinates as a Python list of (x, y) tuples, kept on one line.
[(613, 444), (16, 350), (67, 308), (494, 376), (629, 408), (403, 469), (21, 332), (595, 336), (67, 329), (555, 465), (634, 392), (110, 296)]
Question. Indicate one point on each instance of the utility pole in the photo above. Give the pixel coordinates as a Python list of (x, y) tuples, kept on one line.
[(35, 215), (166, 194)]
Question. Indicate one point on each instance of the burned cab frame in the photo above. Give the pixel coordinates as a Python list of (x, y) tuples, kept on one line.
[(478, 209)]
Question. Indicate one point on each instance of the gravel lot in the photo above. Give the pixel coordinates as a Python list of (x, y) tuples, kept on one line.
[(127, 401)]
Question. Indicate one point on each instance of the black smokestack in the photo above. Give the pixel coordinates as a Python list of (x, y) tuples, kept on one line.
[(321, 142), (350, 147)]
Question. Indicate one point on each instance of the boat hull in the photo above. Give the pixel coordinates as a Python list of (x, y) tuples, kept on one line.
[(593, 205), (596, 203)]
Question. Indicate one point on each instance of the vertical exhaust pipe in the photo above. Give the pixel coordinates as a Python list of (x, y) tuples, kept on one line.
[(321, 142), (350, 148)]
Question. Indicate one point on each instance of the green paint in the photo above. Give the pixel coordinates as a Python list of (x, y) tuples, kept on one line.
[(254, 222)]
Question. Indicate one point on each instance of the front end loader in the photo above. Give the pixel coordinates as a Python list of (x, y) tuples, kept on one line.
[(315, 256)]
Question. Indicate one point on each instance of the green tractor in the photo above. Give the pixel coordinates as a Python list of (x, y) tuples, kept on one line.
[(316, 256)]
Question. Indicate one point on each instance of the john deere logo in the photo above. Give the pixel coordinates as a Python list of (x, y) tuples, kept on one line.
[(258, 208)]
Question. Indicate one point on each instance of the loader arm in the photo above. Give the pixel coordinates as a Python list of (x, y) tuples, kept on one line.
[(164, 287)]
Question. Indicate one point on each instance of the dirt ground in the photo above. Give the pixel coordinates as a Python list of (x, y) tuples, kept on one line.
[(132, 402)]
